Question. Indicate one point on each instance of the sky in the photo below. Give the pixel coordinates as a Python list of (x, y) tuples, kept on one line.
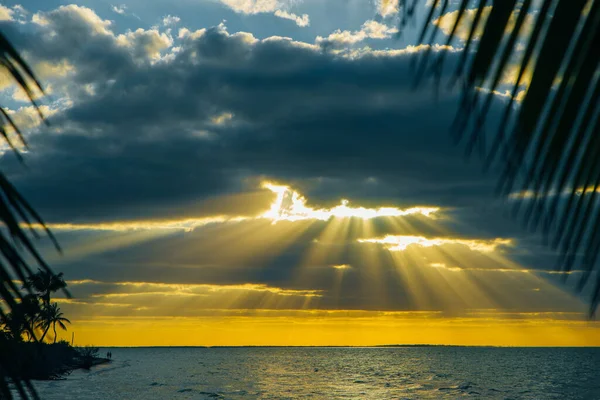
[(266, 172)]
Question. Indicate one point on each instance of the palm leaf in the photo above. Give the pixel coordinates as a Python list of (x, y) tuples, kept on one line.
[(548, 146), (15, 213)]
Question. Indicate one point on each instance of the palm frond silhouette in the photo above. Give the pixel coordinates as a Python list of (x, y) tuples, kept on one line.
[(547, 144), (15, 216)]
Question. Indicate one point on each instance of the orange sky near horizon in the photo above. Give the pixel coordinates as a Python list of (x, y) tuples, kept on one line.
[(307, 330)]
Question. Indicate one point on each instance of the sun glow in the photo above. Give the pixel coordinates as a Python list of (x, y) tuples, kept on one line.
[(291, 206)]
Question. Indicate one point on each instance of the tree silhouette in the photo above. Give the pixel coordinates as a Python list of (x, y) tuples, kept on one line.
[(44, 283), (22, 320), (49, 317)]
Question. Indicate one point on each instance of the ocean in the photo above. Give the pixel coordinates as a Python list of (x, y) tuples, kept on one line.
[(336, 373)]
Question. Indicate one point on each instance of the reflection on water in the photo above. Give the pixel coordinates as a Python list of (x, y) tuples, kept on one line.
[(373, 373)]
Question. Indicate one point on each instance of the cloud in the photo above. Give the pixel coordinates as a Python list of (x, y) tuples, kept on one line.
[(341, 267), (300, 20), (152, 225), (370, 30), (152, 299), (287, 205), (137, 288), (6, 14), (16, 13), (388, 7), (179, 141), (512, 73), (219, 104), (401, 243), (447, 21), (119, 9), (80, 19), (27, 117), (145, 44), (170, 20), (291, 206), (277, 7), (252, 6)]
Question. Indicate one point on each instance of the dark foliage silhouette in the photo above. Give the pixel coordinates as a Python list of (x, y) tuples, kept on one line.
[(16, 216), (50, 316), (547, 144), (45, 282)]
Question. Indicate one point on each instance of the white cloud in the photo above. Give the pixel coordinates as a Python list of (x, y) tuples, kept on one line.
[(369, 30), (27, 117), (354, 53), (73, 22), (252, 6), (120, 9), (388, 7), (186, 33), (302, 21), (222, 118), (170, 20), (291, 206), (146, 44), (6, 14), (277, 7), (20, 95), (402, 242), (68, 17)]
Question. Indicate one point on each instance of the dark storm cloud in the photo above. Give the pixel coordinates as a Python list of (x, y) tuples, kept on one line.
[(146, 135)]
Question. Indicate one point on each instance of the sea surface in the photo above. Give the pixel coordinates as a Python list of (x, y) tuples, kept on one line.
[(336, 373)]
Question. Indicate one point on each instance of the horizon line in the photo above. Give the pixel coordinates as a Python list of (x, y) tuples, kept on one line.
[(346, 346)]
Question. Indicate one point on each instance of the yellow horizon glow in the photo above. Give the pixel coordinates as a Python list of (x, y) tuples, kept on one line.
[(332, 331)]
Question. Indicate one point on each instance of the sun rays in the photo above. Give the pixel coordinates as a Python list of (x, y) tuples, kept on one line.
[(295, 256)]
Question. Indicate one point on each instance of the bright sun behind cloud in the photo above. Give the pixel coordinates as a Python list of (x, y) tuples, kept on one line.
[(291, 206)]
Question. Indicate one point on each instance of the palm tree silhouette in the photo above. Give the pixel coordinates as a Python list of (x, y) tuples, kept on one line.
[(49, 317), (44, 283), (22, 320)]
